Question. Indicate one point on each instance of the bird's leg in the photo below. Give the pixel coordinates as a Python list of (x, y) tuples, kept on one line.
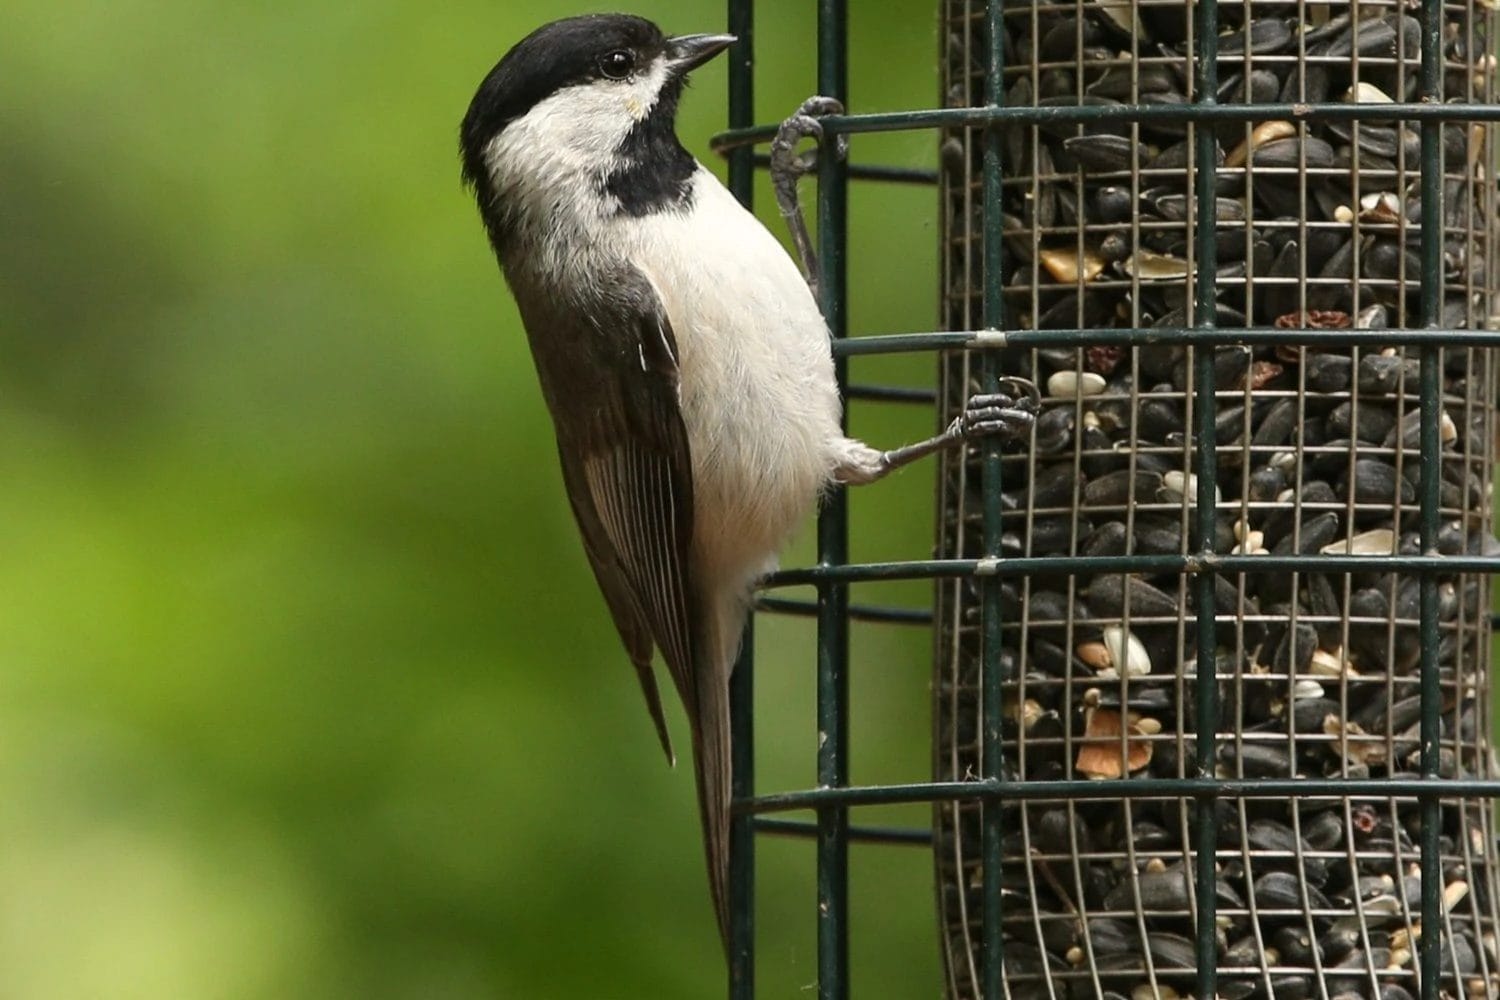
[(788, 166), (1007, 414)]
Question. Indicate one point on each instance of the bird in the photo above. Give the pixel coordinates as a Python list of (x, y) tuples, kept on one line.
[(685, 363)]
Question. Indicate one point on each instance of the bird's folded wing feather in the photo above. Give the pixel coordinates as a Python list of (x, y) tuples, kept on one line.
[(630, 620), (610, 375), (626, 462)]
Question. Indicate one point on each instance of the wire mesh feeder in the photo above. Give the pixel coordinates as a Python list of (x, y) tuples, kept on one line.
[(1275, 241), (1253, 466)]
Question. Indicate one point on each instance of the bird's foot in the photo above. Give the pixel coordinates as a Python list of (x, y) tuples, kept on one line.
[(1007, 414), (788, 165)]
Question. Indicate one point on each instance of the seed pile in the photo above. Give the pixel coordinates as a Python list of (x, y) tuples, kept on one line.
[(1316, 452)]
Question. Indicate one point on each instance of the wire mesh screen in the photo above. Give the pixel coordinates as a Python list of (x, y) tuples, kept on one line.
[(1224, 533)]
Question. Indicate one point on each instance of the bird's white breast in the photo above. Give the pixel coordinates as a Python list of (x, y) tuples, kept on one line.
[(759, 398)]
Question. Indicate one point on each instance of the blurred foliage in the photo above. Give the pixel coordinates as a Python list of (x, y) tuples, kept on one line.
[(305, 688)]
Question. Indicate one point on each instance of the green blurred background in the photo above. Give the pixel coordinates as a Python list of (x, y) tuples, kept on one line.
[(305, 688)]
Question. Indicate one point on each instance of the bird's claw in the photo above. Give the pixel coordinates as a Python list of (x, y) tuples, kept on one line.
[(1008, 414), (788, 166)]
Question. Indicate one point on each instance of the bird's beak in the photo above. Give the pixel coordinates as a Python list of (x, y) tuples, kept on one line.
[(688, 52)]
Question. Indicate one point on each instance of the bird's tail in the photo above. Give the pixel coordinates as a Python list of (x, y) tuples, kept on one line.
[(711, 765), (718, 647)]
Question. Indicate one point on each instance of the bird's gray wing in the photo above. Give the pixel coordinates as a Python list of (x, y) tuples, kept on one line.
[(610, 375), (611, 381)]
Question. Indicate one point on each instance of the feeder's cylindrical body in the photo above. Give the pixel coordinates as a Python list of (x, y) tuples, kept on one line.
[(1320, 226)]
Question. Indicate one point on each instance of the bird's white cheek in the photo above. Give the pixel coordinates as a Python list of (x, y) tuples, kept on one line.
[(571, 132), (641, 93), (573, 136)]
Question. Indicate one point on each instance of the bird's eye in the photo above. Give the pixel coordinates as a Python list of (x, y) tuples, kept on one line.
[(617, 64)]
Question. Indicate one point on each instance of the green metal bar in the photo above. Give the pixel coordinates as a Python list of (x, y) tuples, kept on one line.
[(878, 172), (833, 546), (992, 759), (892, 616), (887, 615), (1429, 953), (1020, 566), (742, 683), (1205, 461), (982, 117), (857, 612), (802, 829), (1119, 789), (902, 343), (742, 97), (890, 394)]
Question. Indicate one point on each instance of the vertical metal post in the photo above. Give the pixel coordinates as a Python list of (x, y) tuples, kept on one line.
[(1430, 945), (742, 684), (990, 679), (833, 548), (1205, 461), (742, 97)]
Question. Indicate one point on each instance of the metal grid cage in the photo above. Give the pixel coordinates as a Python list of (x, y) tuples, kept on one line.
[(1211, 693)]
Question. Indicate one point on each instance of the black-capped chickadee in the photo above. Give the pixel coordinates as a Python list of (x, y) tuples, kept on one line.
[(683, 358)]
